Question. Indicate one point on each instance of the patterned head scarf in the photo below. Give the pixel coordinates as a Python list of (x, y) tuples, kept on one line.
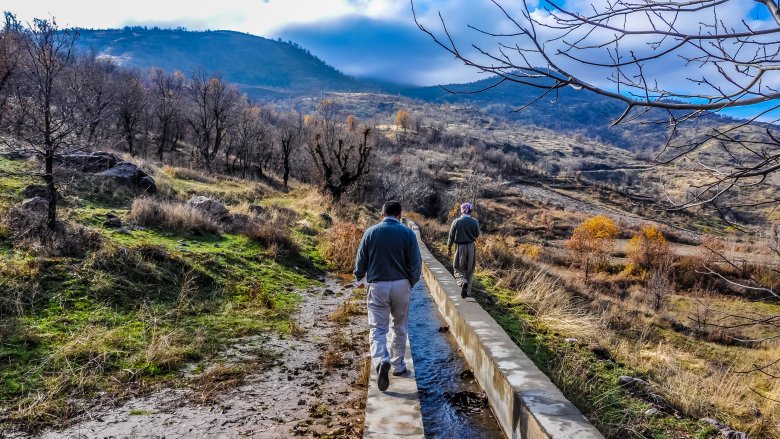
[(466, 208)]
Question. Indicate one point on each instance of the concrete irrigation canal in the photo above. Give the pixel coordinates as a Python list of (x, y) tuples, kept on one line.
[(451, 402), (469, 378)]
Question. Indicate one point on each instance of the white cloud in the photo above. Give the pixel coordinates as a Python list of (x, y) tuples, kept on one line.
[(261, 17)]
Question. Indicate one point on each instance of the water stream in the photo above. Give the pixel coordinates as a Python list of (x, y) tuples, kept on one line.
[(452, 403)]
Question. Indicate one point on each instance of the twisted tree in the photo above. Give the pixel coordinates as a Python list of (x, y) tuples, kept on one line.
[(668, 61)]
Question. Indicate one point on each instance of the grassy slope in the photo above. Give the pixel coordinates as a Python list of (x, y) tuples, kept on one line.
[(590, 382), (135, 312)]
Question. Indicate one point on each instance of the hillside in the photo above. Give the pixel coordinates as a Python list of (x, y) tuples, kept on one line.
[(260, 66), (569, 110), (271, 69)]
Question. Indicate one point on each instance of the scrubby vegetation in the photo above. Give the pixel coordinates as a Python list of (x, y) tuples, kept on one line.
[(114, 313), (648, 320), (693, 347)]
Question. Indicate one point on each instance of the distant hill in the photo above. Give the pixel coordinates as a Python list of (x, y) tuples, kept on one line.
[(265, 68), (260, 66), (569, 110)]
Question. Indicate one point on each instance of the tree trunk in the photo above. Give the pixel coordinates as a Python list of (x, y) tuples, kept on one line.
[(51, 190), (286, 176)]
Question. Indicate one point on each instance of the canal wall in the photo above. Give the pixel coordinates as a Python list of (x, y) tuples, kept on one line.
[(525, 402)]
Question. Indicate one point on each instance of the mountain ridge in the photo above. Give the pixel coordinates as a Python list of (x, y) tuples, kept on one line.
[(261, 67)]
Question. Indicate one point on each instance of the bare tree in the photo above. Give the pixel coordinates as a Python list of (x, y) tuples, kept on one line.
[(10, 57), (215, 104), (291, 133), (403, 181), (659, 282), (45, 113), (131, 106), (670, 60), (94, 83), (340, 155), (249, 134), (166, 94)]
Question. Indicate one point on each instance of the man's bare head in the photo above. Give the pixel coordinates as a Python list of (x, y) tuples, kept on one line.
[(392, 208)]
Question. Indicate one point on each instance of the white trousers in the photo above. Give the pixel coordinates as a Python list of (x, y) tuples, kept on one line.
[(388, 299)]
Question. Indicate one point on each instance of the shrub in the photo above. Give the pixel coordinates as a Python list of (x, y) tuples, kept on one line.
[(151, 212), (271, 228), (647, 249), (497, 252), (592, 242), (340, 245), (272, 234), (28, 229)]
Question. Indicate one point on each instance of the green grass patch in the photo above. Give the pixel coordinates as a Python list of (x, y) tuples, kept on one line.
[(136, 311)]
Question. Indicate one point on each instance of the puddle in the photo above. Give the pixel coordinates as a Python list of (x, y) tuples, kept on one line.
[(453, 405)]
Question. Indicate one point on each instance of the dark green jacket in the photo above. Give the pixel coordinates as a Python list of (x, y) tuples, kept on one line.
[(464, 230)]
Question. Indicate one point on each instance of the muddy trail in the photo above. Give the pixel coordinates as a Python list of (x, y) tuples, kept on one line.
[(312, 387)]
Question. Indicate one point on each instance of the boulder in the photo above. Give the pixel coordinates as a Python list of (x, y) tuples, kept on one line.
[(18, 155), (36, 205), (147, 184), (237, 222), (128, 174), (209, 206), (114, 223), (90, 162), (256, 210), (36, 190), (632, 382), (327, 220), (726, 432)]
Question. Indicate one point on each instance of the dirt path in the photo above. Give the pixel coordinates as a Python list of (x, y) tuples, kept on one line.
[(295, 396)]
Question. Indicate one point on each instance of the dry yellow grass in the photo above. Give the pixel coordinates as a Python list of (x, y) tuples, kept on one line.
[(700, 378), (340, 245), (151, 212)]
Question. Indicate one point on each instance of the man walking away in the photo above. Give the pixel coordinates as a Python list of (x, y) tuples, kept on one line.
[(463, 233), (389, 259)]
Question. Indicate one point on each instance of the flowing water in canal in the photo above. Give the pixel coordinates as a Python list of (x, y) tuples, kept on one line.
[(449, 396)]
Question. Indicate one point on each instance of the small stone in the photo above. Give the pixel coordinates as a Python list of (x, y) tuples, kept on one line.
[(467, 375), (571, 340), (631, 381), (113, 223), (651, 412), (444, 328), (124, 231), (110, 215), (256, 210), (36, 204), (601, 352), (327, 220), (210, 206)]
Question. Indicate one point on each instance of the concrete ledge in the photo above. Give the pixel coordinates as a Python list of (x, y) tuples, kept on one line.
[(396, 412), (525, 402)]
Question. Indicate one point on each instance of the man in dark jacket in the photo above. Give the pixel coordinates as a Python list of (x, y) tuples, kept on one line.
[(389, 259), (463, 233)]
